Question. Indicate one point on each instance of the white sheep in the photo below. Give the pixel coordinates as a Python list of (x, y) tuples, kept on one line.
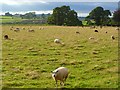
[(17, 29), (91, 38), (31, 30), (61, 74), (118, 28), (57, 41)]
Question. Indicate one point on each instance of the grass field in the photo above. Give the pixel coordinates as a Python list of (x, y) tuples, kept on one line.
[(9, 19), (29, 57)]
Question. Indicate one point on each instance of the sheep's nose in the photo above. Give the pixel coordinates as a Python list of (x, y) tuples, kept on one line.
[(53, 75)]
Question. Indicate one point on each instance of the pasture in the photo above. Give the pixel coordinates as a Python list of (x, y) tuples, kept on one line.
[(29, 57)]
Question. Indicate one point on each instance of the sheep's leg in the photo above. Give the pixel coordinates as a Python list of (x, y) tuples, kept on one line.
[(56, 82), (62, 83)]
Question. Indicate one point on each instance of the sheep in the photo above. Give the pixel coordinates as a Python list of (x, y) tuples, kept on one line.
[(61, 74), (6, 37), (92, 27), (31, 30), (57, 41), (96, 31), (91, 38), (41, 28), (17, 29), (118, 28), (77, 32), (112, 37)]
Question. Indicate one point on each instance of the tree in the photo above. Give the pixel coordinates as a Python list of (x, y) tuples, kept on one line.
[(64, 16), (30, 15), (8, 14), (99, 15), (116, 16), (43, 16)]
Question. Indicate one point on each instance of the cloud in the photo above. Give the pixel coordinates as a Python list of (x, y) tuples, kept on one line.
[(21, 2)]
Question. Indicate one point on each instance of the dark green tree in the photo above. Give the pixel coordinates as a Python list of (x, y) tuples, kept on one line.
[(64, 16), (8, 14), (30, 15), (99, 15), (116, 16)]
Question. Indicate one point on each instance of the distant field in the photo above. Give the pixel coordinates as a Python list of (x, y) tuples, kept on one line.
[(9, 19), (29, 57)]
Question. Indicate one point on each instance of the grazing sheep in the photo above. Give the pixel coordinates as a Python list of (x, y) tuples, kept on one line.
[(96, 31), (77, 32), (118, 28), (6, 37), (112, 37), (92, 27), (31, 30), (61, 74), (41, 28), (17, 29), (57, 41), (91, 38)]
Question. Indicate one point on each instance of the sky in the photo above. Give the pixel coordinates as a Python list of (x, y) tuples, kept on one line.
[(82, 7)]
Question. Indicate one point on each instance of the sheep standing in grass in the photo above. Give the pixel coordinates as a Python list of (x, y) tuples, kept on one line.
[(17, 29), (31, 30), (58, 42), (61, 74), (6, 37), (112, 37)]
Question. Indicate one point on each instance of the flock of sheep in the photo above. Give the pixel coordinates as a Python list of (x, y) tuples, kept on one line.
[(60, 73)]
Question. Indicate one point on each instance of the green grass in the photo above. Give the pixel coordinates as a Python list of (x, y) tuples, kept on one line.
[(9, 19), (29, 57)]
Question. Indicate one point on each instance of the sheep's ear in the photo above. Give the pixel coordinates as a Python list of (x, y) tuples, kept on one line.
[(57, 71)]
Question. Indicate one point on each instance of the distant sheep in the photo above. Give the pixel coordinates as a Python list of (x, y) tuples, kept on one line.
[(77, 32), (6, 37), (31, 30), (17, 29), (106, 32), (57, 41), (118, 28), (41, 28), (92, 27), (61, 74), (91, 38), (96, 31), (112, 37)]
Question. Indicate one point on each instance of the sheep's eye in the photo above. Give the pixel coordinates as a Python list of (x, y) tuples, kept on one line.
[(56, 71)]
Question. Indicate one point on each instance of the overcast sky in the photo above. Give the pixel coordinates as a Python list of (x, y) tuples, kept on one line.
[(82, 7)]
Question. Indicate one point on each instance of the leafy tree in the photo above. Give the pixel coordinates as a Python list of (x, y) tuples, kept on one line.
[(116, 16), (30, 15), (64, 16), (8, 14), (99, 15), (43, 16)]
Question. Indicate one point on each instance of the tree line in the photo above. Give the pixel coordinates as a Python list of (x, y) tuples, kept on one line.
[(64, 16)]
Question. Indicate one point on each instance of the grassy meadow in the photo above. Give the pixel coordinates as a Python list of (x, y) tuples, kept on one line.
[(29, 57)]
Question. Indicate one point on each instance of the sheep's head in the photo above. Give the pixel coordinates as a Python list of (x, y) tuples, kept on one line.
[(54, 73)]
